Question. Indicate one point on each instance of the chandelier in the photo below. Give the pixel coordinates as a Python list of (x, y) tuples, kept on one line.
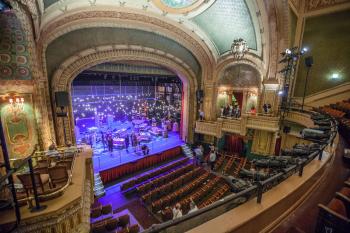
[(239, 47)]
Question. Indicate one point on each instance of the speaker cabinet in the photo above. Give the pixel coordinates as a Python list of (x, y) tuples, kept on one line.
[(200, 95), (62, 99), (309, 61)]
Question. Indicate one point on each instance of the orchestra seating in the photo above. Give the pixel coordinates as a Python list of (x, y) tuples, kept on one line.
[(118, 172), (103, 220), (152, 174), (335, 217)]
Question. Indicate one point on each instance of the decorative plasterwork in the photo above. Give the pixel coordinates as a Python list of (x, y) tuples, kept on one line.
[(178, 7), (116, 53), (312, 5), (225, 21), (128, 19)]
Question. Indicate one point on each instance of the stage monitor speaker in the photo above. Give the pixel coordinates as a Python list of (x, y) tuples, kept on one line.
[(309, 61), (286, 129), (200, 95), (62, 99)]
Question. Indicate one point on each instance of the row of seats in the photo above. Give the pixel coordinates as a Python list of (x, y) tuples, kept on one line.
[(340, 111), (176, 196), (219, 162), (145, 176), (333, 112), (164, 179), (228, 165), (100, 210), (170, 186), (111, 224), (199, 195), (217, 195), (336, 215)]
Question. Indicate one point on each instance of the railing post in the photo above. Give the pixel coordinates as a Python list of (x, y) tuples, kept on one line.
[(260, 192), (320, 155), (36, 198), (301, 169), (8, 169)]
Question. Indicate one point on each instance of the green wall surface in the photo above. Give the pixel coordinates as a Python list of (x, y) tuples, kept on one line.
[(293, 26), (328, 40), (73, 42)]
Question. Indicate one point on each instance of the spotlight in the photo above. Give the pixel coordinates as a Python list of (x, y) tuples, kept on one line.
[(335, 76), (280, 92), (288, 51), (305, 49)]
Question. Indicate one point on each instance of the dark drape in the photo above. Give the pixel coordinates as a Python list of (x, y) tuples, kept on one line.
[(239, 98), (278, 146), (234, 144)]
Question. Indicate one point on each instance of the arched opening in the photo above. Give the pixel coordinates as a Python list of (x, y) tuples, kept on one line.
[(73, 66), (238, 89), (122, 108)]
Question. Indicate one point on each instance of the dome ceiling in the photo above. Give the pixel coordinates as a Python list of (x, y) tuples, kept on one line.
[(216, 22)]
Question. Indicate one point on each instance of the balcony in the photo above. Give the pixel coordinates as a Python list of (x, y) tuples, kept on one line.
[(238, 126)]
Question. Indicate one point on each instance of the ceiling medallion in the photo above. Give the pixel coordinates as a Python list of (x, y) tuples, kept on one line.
[(178, 6)]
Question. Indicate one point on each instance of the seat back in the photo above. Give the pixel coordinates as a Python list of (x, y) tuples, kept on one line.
[(58, 174), (112, 224), (124, 220), (134, 229), (96, 212), (107, 209), (27, 181)]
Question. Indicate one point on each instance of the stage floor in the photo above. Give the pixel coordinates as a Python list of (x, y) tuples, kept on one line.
[(103, 159)]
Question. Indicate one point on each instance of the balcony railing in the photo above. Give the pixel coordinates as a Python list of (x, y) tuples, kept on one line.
[(237, 125)]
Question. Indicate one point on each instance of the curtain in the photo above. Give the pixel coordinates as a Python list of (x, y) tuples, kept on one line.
[(234, 144), (239, 98)]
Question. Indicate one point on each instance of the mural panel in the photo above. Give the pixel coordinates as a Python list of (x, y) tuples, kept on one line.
[(18, 122), (14, 54)]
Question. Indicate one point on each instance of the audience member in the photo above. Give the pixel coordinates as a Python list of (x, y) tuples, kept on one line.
[(212, 159), (177, 212), (201, 115), (127, 142), (145, 149), (198, 155), (110, 143), (193, 206)]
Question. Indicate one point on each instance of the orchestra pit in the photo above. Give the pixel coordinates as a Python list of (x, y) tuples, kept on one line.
[(194, 116)]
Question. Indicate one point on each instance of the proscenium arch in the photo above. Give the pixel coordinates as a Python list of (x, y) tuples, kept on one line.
[(69, 69), (127, 18)]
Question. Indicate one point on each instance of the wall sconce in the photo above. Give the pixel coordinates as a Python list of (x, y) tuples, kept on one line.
[(335, 76)]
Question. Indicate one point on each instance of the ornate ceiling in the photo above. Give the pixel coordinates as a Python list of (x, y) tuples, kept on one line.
[(216, 22)]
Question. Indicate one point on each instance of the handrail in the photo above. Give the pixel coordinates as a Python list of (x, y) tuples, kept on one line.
[(15, 169), (258, 186)]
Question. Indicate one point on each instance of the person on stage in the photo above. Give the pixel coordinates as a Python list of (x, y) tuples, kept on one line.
[(127, 142), (103, 140), (110, 143)]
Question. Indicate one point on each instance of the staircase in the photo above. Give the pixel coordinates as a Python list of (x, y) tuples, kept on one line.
[(99, 189), (187, 151)]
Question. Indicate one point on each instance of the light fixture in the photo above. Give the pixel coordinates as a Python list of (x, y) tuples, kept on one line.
[(335, 76), (280, 92), (239, 48)]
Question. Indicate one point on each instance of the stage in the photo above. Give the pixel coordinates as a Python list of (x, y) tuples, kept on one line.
[(103, 160)]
